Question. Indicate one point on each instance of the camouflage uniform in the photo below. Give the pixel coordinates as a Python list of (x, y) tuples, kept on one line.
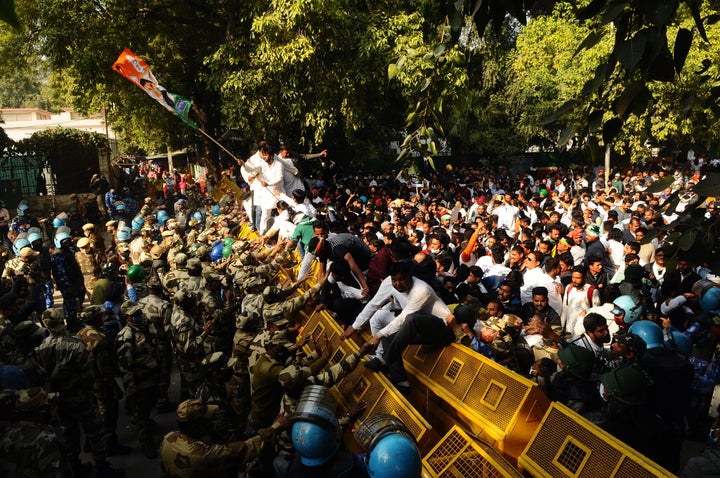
[(7, 338), (105, 389), (71, 374), (14, 267), (285, 309), (214, 391), (266, 389), (32, 448), (194, 282), (138, 362), (28, 335), (212, 311), (504, 333), (187, 337), (173, 279), (158, 312), (185, 456), (295, 377)]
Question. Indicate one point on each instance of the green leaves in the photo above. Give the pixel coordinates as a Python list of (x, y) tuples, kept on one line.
[(392, 71)]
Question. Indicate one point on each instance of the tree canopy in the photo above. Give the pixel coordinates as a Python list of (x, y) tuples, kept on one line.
[(490, 78)]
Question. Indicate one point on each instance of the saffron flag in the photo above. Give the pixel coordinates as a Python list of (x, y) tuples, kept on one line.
[(134, 68)]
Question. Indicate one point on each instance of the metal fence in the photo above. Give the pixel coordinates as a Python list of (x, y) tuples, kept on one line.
[(22, 177)]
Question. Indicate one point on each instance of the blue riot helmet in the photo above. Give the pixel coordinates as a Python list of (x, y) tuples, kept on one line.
[(162, 217), (395, 456), (316, 444), (62, 239), (58, 222), (633, 312), (710, 300), (19, 244), (124, 234), (137, 222), (22, 207), (650, 332), (216, 253), (197, 215), (391, 450), (315, 432), (35, 240), (216, 210), (681, 343)]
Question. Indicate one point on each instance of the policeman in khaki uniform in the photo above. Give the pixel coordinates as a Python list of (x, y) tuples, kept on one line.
[(137, 355), (188, 452), (89, 264), (106, 391)]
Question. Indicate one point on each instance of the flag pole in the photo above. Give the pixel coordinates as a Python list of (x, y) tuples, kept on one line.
[(240, 161)]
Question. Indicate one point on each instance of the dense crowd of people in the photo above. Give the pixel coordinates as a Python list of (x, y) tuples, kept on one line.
[(561, 279)]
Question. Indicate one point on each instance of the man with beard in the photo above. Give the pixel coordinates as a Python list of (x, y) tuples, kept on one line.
[(594, 339)]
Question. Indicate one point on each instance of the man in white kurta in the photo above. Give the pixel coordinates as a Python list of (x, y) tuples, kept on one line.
[(249, 171), (271, 179)]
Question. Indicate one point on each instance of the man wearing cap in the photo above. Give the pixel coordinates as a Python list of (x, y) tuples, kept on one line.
[(105, 389), (31, 446), (216, 319), (187, 453), (137, 356), (22, 264), (187, 335), (158, 312), (89, 264), (70, 374), (28, 336), (214, 390), (177, 275), (266, 389), (193, 283)]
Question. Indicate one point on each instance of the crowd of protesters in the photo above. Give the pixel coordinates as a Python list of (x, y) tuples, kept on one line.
[(561, 279)]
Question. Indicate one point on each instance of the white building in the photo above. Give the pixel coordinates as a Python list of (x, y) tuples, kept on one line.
[(21, 123)]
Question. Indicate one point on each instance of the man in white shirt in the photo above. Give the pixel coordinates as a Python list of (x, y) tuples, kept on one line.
[(506, 213), (271, 180), (408, 295), (250, 170)]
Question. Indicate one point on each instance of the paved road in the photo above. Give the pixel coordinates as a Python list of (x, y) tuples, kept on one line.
[(135, 464)]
